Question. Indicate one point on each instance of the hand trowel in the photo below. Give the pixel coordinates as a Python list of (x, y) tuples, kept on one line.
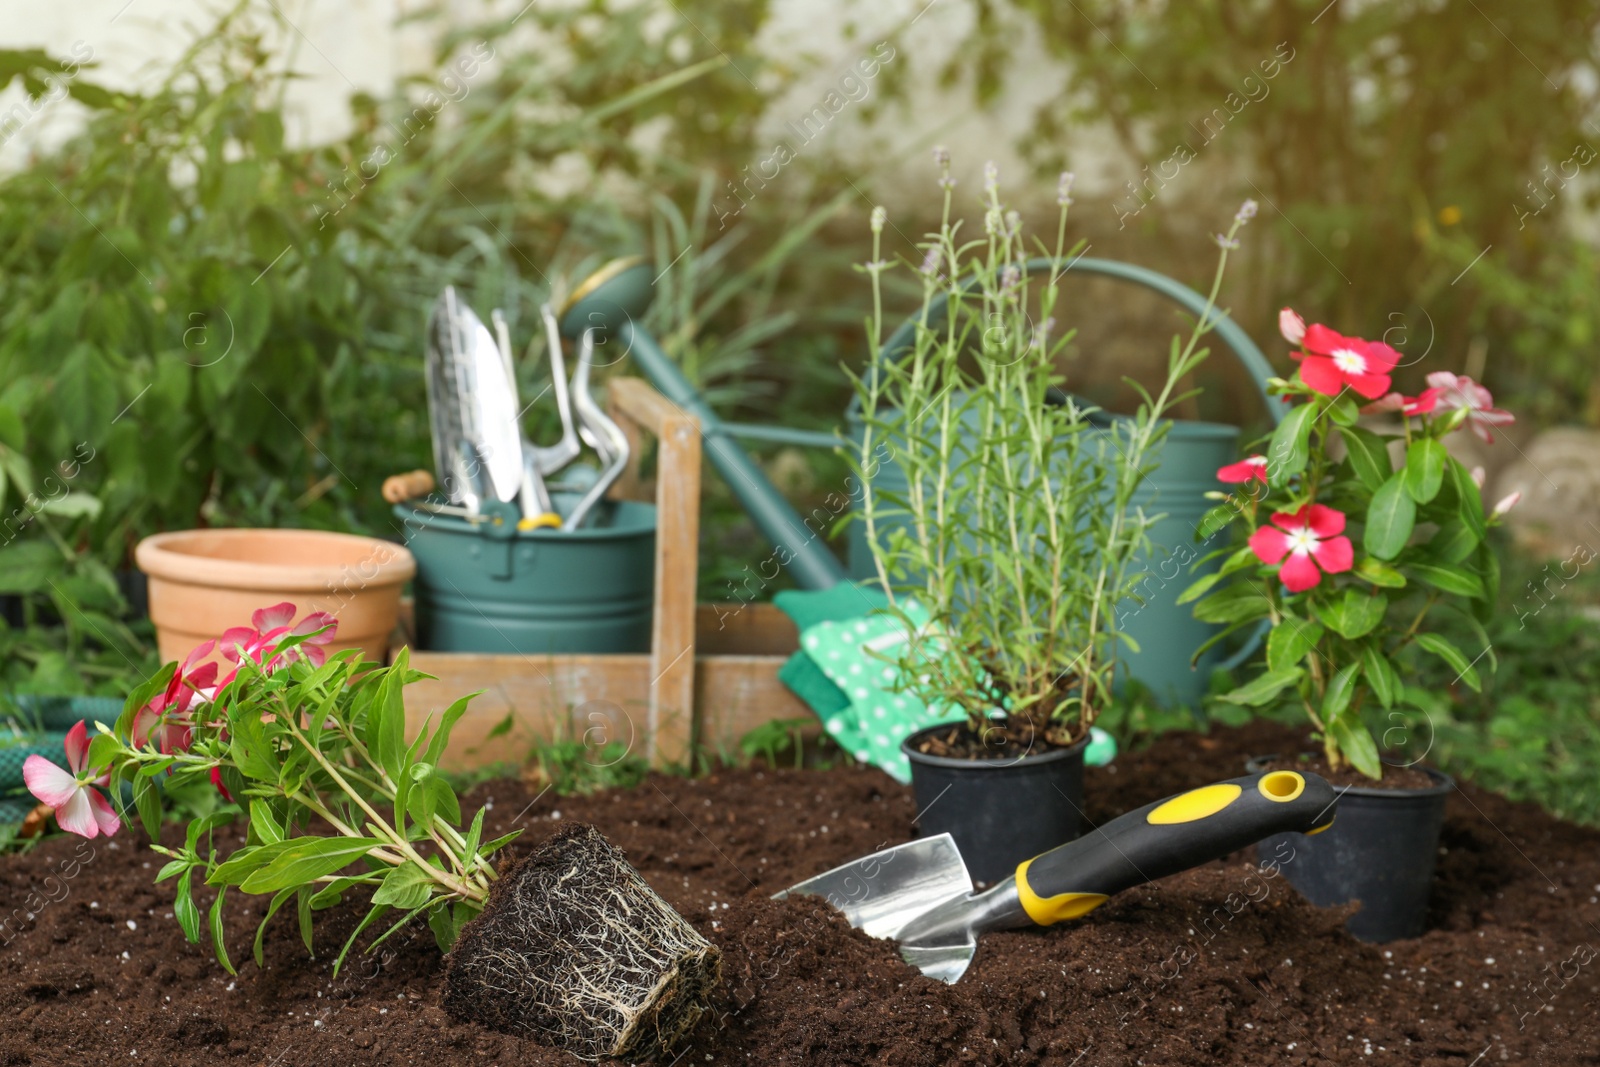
[(920, 895)]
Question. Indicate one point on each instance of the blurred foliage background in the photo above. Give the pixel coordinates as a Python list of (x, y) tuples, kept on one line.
[(204, 324)]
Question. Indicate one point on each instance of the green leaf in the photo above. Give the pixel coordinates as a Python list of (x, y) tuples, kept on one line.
[(447, 722), (218, 933), (1379, 573), (261, 930), (264, 824), (1200, 588), (1214, 521), (1354, 740), (1469, 501), (1239, 602), (1289, 642), (242, 863), (1439, 646), (1450, 579), (388, 717), (1454, 542), (101, 750), (405, 887), (1343, 410), (1289, 449), (1390, 519), (1369, 456), (302, 899), (1489, 564), (303, 859), (1264, 687), (1381, 675), (147, 799), (1336, 698), (474, 835), (1353, 613), (446, 927), (184, 909), (174, 867), (1424, 472), (332, 893), (499, 843)]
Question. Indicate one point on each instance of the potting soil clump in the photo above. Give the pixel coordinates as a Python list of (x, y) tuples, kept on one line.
[(576, 950)]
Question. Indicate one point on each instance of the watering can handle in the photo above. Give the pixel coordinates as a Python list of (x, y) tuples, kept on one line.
[(1238, 342)]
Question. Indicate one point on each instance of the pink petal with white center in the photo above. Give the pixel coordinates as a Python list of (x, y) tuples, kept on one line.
[(1321, 374), (202, 676), (1380, 358), (49, 783), (1298, 573), (278, 615), (1507, 503), (1335, 555), (1386, 403), (76, 816), (1244, 470), (104, 814), (1322, 520), (77, 746), (1369, 385), (236, 641), (199, 652), (317, 620), (1292, 326), (1269, 545)]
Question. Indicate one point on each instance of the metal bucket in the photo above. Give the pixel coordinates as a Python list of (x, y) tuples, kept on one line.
[(486, 587)]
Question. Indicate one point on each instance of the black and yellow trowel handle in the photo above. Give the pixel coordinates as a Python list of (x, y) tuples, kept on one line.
[(1169, 836)]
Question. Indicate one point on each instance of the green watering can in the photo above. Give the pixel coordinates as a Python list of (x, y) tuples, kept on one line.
[(616, 297)]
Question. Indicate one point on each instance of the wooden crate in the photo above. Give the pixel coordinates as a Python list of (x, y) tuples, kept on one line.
[(712, 671)]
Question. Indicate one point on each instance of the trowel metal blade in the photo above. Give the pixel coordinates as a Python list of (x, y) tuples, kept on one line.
[(879, 894)]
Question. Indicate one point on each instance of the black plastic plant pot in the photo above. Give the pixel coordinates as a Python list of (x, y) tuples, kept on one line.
[(1379, 851), (999, 811)]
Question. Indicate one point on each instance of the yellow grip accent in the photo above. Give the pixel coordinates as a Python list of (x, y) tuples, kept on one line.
[(1194, 805), (1047, 911), (1319, 829), (549, 520), (1281, 786)]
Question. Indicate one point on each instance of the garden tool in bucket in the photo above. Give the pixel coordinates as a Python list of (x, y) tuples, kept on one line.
[(920, 895)]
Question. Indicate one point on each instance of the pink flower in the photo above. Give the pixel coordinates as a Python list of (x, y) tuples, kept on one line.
[(1478, 475), (1333, 362), (1309, 539), (79, 808), (1459, 391), (1292, 326), (216, 780), (268, 627), (1507, 503), (1421, 404), (165, 720), (1244, 470)]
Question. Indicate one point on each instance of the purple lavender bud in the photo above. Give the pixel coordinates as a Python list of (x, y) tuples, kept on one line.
[(930, 262), (1064, 188), (941, 156), (1246, 212), (991, 177)]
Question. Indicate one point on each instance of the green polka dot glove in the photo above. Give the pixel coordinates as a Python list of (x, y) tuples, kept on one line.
[(878, 716)]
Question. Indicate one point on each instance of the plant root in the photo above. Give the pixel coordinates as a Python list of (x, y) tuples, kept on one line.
[(574, 949)]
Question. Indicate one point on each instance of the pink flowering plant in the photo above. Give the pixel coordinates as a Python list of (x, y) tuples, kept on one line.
[(309, 750), (1347, 554)]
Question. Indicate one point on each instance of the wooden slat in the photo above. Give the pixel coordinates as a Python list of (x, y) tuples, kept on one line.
[(677, 562), (637, 406), (736, 629), (596, 699)]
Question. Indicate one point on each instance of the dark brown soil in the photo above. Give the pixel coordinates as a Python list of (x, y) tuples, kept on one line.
[(1001, 739), (1220, 965), (1396, 778)]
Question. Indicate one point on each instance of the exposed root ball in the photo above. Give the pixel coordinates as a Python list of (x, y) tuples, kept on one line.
[(575, 950)]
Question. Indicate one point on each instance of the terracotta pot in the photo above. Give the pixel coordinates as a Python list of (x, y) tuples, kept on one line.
[(204, 581)]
